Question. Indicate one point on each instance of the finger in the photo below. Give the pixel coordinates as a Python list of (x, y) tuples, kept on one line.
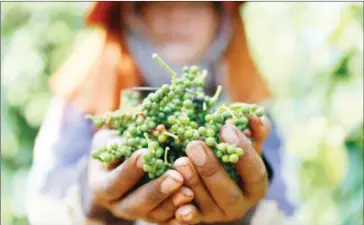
[(188, 214), (102, 137), (250, 166), (221, 187), (260, 127), (182, 197), (140, 202), (202, 197), (112, 185), (166, 210), (173, 222)]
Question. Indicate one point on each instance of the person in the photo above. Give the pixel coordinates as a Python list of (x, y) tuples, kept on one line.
[(67, 187)]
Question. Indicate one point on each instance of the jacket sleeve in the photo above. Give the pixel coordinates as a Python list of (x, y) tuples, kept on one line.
[(273, 155), (58, 191), (57, 184)]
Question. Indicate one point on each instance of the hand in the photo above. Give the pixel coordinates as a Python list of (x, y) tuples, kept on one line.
[(219, 198), (111, 186)]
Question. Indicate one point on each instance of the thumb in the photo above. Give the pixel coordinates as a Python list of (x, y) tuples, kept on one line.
[(250, 166)]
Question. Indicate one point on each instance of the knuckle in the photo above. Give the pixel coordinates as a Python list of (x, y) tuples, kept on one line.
[(209, 169), (193, 181), (155, 196), (124, 211), (127, 173), (157, 217), (260, 192), (233, 200)]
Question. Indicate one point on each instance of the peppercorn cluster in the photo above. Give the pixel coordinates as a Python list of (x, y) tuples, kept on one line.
[(169, 118)]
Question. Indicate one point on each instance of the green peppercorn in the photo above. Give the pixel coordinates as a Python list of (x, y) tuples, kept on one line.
[(188, 103), (202, 131), (219, 154), (184, 120), (147, 157), (118, 154), (188, 133), (222, 147), (210, 132), (242, 121), (172, 120), (152, 124), (106, 157), (196, 135), (194, 125), (174, 128), (165, 88), (162, 138), (159, 163), (225, 158), (146, 168), (259, 111), (161, 115), (208, 117), (210, 141), (180, 131), (233, 158), (98, 122), (95, 154), (143, 142), (239, 151), (144, 128), (231, 149), (194, 69), (159, 152), (154, 145), (133, 130)]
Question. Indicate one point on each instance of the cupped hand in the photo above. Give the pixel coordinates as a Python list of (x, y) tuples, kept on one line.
[(218, 198), (111, 184)]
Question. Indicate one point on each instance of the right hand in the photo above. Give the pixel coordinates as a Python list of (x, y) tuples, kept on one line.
[(155, 201)]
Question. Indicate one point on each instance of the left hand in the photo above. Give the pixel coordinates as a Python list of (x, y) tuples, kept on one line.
[(219, 198)]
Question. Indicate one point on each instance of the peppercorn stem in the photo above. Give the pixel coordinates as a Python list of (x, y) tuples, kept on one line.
[(190, 91), (229, 110), (170, 134), (164, 64), (217, 93), (144, 88), (166, 157), (149, 143)]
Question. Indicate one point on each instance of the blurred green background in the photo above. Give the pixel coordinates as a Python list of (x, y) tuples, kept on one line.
[(311, 54)]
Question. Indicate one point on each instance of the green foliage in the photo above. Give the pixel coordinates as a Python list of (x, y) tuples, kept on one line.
[(35, 39), (317, 81)]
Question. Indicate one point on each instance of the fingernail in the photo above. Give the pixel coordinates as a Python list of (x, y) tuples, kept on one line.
[(186, 213), (187, 192), (184, 168), (178, 199), (140, 162), (197, 153), (173, 181), (181, 162), (182, 197), (229, 134)]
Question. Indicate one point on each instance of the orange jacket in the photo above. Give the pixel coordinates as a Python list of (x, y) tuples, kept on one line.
[(93, 76)]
